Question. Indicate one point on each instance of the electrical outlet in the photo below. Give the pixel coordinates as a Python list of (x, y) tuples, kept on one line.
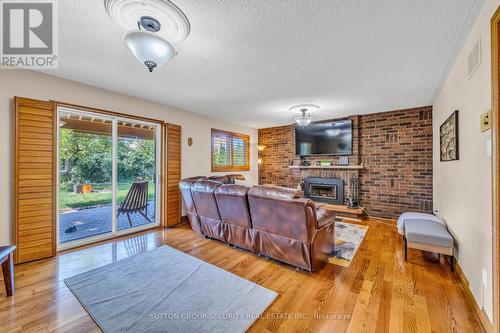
[(485, 123)]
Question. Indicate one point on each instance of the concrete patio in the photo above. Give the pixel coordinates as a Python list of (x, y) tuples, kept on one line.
[(95, 221)]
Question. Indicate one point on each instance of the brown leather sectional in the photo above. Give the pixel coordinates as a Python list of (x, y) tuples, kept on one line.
[(270, 221)]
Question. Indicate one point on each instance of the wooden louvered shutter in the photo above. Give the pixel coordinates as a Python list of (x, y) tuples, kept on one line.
[(173, 162), (34, 179), (230, 151)]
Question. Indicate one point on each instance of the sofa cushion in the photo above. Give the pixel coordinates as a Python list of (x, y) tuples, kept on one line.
[(233, 204), (277, 210), (415, 216), (221, 179), (234, 177), (275, 192), (206, 207), (204, 198), (196, 178), (428, 232), (185, 188)]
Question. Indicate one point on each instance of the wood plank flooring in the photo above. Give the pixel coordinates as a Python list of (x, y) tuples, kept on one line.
[(380, 292)]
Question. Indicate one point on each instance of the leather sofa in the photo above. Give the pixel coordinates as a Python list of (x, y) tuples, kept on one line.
[(289, 228), (185, 188), (270, 221)]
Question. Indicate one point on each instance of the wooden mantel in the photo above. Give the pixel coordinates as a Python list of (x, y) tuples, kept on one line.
[(335, 167)]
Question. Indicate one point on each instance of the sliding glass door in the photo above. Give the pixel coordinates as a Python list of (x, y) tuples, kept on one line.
[(85, 175), (137, 169), (107, 176)]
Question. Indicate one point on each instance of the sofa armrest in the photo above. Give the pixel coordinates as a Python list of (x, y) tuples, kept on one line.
[(323, 241), (324, 217)]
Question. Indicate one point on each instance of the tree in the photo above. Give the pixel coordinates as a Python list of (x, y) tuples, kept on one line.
[(88, 157), (221, 155), (136, 159)]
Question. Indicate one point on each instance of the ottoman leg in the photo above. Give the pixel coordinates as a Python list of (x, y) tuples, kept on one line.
[(8, 274), (452, 263)]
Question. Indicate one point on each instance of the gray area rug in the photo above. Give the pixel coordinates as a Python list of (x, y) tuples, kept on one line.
[(165, 290)]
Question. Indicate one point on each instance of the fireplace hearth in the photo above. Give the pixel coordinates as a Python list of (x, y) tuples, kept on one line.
[(329, 190)]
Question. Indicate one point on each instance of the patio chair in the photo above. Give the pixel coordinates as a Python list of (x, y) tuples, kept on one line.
[(136, 201)]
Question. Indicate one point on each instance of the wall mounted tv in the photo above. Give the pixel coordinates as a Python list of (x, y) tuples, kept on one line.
[(324, 138)]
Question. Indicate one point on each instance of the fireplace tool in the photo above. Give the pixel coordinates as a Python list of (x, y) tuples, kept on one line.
[(353, 195)]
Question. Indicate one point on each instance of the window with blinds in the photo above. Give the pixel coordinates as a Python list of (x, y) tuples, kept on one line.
[(230, 151)]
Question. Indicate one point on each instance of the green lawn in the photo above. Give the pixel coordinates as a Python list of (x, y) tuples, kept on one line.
[(78, 200)]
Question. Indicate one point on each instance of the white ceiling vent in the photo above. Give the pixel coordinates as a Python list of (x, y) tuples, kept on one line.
[(474, 60)]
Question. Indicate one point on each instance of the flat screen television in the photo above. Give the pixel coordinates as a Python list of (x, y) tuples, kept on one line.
[(324, 138)]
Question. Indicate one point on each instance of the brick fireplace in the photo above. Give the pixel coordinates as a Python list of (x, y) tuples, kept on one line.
[(394, 147)]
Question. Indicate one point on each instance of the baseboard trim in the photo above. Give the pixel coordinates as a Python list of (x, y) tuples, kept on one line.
[(184, 219), (480, 314)]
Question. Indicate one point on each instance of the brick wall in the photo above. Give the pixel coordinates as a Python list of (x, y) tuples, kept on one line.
[(395, 147)]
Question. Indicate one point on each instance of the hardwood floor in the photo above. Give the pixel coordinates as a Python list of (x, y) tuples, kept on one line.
[(380, 292)]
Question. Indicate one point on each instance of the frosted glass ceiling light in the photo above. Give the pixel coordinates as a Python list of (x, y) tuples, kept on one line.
[(147, 46), (175, 26), (161, 25), (304, 119)]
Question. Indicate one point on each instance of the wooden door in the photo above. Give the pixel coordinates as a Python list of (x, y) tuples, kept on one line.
[(173, 199), (34, 173)]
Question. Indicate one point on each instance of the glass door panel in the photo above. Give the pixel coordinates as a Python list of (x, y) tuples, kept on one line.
[(137, 162), (85, 190)]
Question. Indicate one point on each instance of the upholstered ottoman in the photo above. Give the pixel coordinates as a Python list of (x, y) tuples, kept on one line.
[(428, 235)]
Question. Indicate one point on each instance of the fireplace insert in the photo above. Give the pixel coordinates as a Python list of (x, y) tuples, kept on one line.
[(329, 190)]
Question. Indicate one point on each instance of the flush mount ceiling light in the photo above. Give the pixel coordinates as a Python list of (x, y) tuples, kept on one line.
[(148, 47), (125, 13), (304, 109), (153, 26)]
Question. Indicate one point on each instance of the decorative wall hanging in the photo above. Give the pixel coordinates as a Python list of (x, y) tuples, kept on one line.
[(448, 138)]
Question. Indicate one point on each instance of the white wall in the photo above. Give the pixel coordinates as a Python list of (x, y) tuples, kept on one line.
[(195, 159), (463, 189)]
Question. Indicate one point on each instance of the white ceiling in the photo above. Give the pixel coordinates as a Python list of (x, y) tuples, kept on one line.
[(248, 61)]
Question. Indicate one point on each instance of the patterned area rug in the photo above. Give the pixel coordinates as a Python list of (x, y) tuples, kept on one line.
[(348, 238)]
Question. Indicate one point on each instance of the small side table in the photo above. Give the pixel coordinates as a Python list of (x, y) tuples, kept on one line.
[(7, 261)]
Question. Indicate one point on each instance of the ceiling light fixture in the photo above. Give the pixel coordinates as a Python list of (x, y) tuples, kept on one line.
[(175, 26), (161, 26), (148, 47), (304, 119)]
